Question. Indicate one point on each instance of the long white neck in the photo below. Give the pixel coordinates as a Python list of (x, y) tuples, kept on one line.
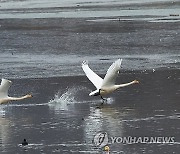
[(19, 98), (8, 99), (125, 84)]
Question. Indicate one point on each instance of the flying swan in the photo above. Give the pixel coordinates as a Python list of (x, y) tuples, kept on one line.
[(106, 85), (4, 98)]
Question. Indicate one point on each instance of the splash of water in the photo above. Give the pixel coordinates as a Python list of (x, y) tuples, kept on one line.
[(68, 96), (63, 100), (2, 111), (110, 100)]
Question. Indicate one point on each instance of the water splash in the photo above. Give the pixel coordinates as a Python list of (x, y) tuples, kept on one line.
[(68, 96), (2, 111), (61, 101), (110, 100)]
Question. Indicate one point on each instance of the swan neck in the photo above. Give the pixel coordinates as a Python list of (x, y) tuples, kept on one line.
[(17, 98), (124, 85)]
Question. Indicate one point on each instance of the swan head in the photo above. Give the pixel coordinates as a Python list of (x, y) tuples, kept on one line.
[(136, 81), (28, 96), (106, 148)]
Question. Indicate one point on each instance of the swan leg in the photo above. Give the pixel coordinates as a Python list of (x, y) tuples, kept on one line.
[(104, 100)]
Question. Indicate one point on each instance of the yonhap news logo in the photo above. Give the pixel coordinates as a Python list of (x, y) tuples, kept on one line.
[(101, 139)]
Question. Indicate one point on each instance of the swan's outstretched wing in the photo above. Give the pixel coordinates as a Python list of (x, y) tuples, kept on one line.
[(112, 73), (93, 77), (5, 84)]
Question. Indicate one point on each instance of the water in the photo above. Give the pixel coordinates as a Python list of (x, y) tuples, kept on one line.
[(61, 117), (43, 57), (56, 47), (86, 8)]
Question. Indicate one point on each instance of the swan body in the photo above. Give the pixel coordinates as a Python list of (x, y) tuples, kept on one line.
[(107, 85), (4, 87)]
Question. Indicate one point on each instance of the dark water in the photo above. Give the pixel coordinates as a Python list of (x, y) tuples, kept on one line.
[(61, 117), (56, 47), (43, 57)]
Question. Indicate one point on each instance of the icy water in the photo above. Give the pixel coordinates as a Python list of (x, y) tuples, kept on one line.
[(42, 54)]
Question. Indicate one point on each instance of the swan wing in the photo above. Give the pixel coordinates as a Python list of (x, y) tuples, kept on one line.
[(4, 87), (112, 73), (93, 77)]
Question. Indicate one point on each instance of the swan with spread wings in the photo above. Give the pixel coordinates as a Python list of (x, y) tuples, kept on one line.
[(106, 85), (4, 87)]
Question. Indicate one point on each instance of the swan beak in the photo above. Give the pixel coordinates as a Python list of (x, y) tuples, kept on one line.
[(136, 81), (29, 96)]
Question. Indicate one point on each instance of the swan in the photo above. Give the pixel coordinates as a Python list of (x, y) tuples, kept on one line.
[(106, 85), (4, 98)]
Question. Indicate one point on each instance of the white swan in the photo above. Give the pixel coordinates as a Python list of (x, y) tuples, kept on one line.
[(106, 85), (4, 98)]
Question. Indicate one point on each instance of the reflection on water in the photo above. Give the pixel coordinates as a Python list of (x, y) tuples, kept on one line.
[(105, 119), (5, 134)]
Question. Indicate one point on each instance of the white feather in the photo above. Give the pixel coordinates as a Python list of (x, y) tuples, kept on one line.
[(112, 73), (93, 77), (4, 87)]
